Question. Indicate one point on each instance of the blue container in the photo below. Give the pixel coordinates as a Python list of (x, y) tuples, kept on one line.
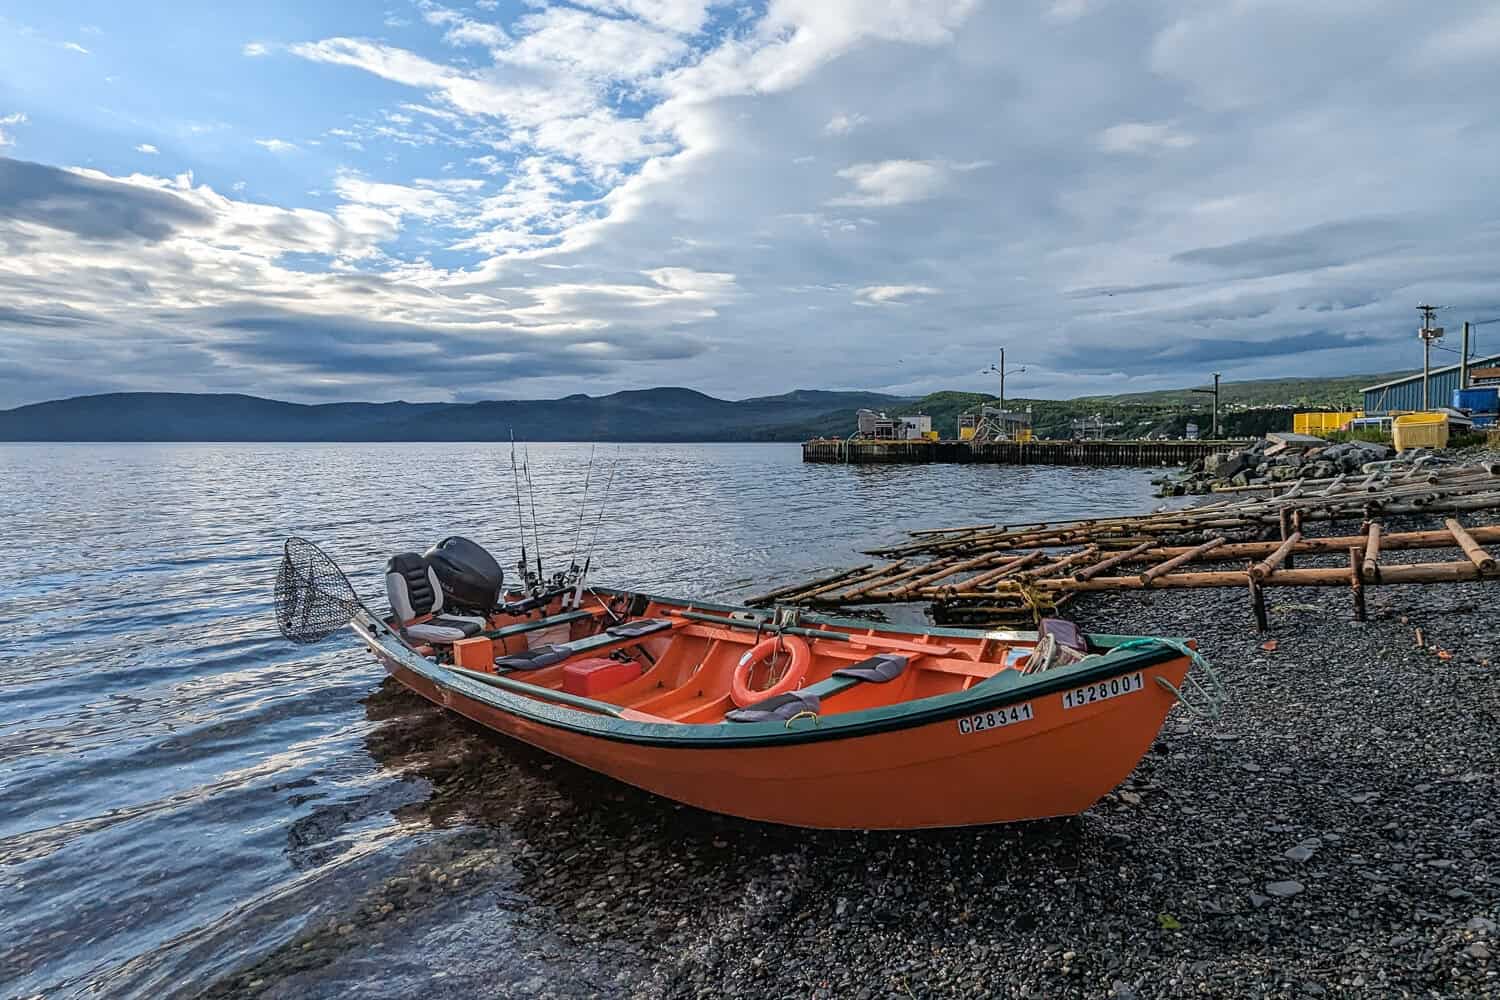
[(1483, 421), (1477, 401)]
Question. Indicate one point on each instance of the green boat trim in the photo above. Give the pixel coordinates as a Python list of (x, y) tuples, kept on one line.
[(601, 719)]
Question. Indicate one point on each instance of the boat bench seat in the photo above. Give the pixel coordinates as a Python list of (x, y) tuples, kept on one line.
[(522, 628), (877, 669), (550, 655)]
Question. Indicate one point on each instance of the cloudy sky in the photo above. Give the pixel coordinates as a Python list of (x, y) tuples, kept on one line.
[(525, 198)]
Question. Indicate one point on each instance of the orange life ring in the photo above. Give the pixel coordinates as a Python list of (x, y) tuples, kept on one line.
[(739, 684)]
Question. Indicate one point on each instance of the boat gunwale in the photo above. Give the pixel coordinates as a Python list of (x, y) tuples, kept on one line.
[(983, 696)]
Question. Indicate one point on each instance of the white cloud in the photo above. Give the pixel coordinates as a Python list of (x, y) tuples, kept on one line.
[(1143, 137), (1475, 38), (843, 124), (277, 145), (893, 182), (575, 41), (1177, 187), (1068, 10), (884, 295), (147, 148), (75, 47), (7, 121), (255, 49)]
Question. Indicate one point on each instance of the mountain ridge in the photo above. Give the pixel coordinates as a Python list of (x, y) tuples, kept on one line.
[(664, 413)]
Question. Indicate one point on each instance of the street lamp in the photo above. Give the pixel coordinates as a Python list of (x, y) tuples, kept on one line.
[(1000, 370)]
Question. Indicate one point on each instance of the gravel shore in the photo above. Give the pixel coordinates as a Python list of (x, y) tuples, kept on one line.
[(1332, 834)]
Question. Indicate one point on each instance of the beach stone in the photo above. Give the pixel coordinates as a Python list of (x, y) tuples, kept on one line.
[(1303, 851), (1478, 950), (1285, 888)]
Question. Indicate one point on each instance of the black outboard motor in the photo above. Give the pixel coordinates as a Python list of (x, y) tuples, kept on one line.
[(470, 577)]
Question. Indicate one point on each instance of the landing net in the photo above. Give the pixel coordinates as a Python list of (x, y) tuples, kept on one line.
[(313, 597)]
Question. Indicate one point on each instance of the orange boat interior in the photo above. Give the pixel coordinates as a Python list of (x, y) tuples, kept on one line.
[(684, 671)]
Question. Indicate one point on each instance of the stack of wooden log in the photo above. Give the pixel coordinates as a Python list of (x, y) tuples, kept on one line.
[(1009, 574)]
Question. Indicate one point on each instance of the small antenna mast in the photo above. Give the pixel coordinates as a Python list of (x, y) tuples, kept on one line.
[(520, 517), (530, 489)]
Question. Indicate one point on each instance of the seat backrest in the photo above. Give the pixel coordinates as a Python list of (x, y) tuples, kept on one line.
[(412, 587)]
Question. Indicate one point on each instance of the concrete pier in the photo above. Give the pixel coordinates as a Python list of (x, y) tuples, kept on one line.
[(1122, 453)]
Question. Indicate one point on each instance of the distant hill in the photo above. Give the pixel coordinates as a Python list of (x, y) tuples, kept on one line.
[(665, 414)]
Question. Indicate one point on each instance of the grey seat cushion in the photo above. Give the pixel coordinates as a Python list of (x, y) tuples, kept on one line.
[(639, 627), (534, 658), (879, 668), (444, 628), (780, 708)]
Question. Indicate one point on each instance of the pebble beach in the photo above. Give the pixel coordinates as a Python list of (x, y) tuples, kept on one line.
[(1332, 833)]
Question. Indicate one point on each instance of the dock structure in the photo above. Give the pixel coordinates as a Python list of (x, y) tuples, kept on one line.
[(862, 451), (998, 574)]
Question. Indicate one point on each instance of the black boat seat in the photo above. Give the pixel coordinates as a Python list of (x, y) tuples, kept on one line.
[(639, 627), (780, 708), (413, 590), (521, 628), (879, 669), (536, 659)]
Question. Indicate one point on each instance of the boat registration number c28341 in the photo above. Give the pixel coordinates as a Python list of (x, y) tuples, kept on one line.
[(1007, 716), (1103, 690)]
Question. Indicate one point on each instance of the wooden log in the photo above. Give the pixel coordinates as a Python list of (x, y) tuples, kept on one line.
[(1333, 487), (948, 570), (877, 573), (772, 595), (1065, 563), (1009, 569), (880, 589), (1088, 572), (1257, 603), (1357, 582), (1444, 572), (1272, 562), (1372, 553), (1162, 569), (1480, 558)]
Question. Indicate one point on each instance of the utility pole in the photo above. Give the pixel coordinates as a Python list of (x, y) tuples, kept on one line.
[(1463, 360), (1000, 370), (1216, 405), (1214, 433), (1428, 333), (1004, 427)]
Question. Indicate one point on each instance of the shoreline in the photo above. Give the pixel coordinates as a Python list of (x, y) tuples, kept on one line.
[(1331, 834)]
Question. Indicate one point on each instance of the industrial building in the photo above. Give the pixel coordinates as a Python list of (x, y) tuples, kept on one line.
[(879, 427), (1404, 395)]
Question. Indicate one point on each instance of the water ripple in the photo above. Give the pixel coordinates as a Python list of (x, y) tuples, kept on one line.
[(180, 791)]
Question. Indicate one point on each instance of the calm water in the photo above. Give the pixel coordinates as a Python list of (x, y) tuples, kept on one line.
[(181, 791)]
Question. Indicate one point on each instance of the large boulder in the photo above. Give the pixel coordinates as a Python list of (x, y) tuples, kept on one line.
[(1226, 464)]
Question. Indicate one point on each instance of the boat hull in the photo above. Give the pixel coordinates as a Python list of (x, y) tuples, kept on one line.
[(970, 768)]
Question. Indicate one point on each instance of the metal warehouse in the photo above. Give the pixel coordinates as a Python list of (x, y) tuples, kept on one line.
[(1405, 393)]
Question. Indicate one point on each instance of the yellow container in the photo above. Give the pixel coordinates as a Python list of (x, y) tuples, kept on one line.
[(931, 435), (966, 433), (1420, 430), (1321, 422)]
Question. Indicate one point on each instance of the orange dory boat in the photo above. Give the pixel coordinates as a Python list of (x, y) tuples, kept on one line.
[(809, 721)]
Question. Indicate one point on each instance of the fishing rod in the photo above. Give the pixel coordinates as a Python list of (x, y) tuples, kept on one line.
[(520, 517), (589, 556), (531, 490), (578, 531)]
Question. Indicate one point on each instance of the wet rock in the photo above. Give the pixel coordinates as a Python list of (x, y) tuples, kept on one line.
[(1287, 887)]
